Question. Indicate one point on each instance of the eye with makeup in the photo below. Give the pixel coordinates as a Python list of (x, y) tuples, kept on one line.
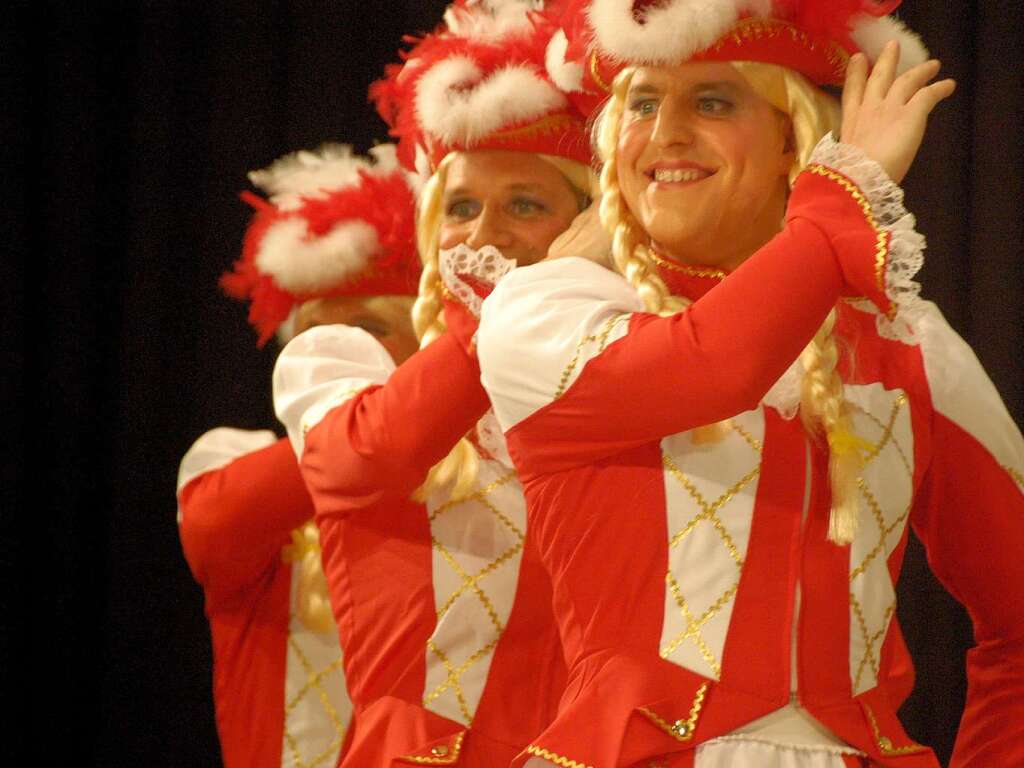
[(643, 106), (462, 209), (525, 207), (714, 105)]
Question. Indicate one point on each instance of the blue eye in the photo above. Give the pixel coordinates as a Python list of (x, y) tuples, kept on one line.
[(644, 107), (463, 209), (713, 106), (523, 206)]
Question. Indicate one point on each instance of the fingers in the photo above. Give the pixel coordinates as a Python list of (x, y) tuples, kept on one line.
[(883, 73), (928, 98), (912, 81), (853, 89)]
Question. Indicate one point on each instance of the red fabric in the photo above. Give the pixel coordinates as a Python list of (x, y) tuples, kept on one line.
[(591, 463), (235, 521), (361, 463)]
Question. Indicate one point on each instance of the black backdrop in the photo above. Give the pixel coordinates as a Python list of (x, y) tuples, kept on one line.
[(127, 132)]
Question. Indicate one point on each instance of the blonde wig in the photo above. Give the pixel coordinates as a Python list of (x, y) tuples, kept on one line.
[(312, 602), (812, 113), (459, 468)]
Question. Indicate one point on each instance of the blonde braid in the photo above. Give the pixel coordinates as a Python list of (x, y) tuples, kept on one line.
[(460, 467), (822, 404), (312, 600)]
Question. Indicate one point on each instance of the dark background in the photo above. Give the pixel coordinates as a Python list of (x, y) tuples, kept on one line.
[(127, 130)]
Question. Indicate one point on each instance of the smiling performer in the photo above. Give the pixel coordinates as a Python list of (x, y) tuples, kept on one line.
[(333, 244), (443, 606), (727, 599)]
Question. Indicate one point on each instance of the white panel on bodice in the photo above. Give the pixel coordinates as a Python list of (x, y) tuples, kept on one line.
[(317, 709), (710, 490), (477, 548), (882, 417)]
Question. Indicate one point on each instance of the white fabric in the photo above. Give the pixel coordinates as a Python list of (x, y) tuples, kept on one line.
[(784, 396), (477, 548), (709, 524), (906, 245), (881, 416), (749, 753), (218, 448), (545, 313), (486, 264), (963, 393), (321, 369), (316, 702), (791, 727)]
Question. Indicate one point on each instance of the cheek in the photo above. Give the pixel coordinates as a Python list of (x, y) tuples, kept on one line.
[(452, 234)]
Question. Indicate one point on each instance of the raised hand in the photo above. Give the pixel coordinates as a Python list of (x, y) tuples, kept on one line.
[(886, 115), (585, 237)]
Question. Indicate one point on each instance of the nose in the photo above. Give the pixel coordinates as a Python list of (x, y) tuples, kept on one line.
[(672, 124), (489, 228)]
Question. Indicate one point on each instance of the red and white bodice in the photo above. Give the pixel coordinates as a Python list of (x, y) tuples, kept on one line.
[(279, 686), (700, 602), (484, 670)]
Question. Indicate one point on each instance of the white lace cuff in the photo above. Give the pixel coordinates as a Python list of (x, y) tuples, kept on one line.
[(487, 266), (905, 254)]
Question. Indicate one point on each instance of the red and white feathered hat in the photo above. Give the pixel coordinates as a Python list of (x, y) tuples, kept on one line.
[(479, 82), (334, 224), (598, 38)]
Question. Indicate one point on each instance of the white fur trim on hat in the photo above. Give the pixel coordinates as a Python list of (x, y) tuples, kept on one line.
[(490, 20), (568, 76), (871, 34), (457, 105), (300, 264), (314, 174), (671, 32)]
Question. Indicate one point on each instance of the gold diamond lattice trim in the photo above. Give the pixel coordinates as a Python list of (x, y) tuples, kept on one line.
[(708, 512), (601, 339), (470, 584), (870, 659), (313, 684)]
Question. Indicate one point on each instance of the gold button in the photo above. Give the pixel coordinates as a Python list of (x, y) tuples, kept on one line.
[(681, 728), (439, 751), (885, 743)]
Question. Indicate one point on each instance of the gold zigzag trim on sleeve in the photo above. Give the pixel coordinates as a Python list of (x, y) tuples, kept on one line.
[(885, 743), (441, 754), (680, 730), (565, 762)]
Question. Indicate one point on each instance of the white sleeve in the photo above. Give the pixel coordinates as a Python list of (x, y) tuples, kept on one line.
[(963, 393), (541, 326), (321, 369)]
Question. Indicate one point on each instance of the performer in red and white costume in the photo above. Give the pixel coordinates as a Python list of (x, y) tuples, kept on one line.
[(726, 595), (445, 600), (333, 244)]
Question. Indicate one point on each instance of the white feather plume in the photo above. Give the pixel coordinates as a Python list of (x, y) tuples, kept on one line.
[(671, 32), (490, 20), (871, 34), (301, 264), (316, 173), (568, 76), (457, 105)]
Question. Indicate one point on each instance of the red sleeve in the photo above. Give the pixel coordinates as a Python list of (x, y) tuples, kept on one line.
[(236, 519), (969, 514), (720, 356), (382, 442)]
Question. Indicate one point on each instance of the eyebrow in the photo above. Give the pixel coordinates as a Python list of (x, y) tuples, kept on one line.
[(645, 88), (514, 187)]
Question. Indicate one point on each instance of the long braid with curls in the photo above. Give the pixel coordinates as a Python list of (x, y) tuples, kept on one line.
[(812, 114), (312, 600)]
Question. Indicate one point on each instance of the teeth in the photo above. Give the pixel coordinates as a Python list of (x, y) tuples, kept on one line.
[(676, 174)]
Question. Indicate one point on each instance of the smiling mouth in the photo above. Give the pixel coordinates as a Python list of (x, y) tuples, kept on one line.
[(678, 175)]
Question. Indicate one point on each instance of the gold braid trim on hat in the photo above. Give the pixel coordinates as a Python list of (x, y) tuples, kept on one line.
[(546, 124), (752, 29)]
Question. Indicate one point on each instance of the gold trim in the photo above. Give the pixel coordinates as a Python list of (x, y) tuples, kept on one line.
[(546, 124), (1018, 478), (595, 73), (313, 681), (881, 236), (602, 341), (681, 730), (885, 743), (686, 269), (752, 29), (449, 756), (565, 762)]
